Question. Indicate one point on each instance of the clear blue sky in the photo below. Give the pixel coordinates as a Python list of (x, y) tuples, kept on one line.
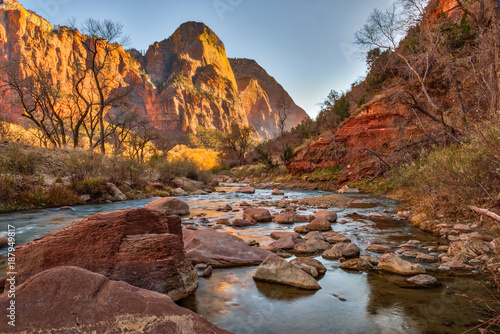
[(305, 44)]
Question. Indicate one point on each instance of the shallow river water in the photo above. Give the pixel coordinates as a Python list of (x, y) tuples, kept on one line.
[(349, 302)]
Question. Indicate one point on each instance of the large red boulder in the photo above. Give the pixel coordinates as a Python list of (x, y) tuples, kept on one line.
[(73, 300), (140, 246), (221, 249)]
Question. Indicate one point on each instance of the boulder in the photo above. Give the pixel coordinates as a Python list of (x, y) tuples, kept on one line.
[(260, 215), (315, 235), (115, 192), (142, 247), (170, 206), (422, 282), (225, 208), (287, 242), (277, 270), (55, 300), (334, 237), (320, 224), (311, 246), (328, 215), (221, 249), (277, 234), (320, 268), (277, 192), (454, 264), (242, 223), (285, 218), (393, 263), (4, 241), (246, 190), (307, 268), (426, 258), (380, 249), (359, 264), (179, 192), (332, 254), (302, 229), (470, 249), (348, 250), (290, 218), (223, 221)]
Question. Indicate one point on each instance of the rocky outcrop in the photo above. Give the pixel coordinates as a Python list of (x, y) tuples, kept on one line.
[(135, 246), (260, 94), (73, 300), (277, 270), (378, 127), (221, 250)]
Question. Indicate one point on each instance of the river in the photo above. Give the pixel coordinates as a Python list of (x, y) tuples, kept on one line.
[(349, 302)]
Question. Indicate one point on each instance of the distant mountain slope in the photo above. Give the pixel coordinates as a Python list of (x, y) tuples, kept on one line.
[(260, 93)]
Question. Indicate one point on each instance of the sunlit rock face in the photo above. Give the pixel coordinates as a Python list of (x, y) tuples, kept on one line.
[(182, 83), (195, 85), (260, 93)]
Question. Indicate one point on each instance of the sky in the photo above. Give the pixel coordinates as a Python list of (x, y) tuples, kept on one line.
[(306, 45)]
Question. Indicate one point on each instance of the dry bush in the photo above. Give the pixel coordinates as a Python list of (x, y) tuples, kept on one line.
[(449, 179)]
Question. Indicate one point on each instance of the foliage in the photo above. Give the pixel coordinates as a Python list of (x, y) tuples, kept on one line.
[(448, 179), (287, 154), (204, 138), (169, 170), (235, 144), (325, 174)]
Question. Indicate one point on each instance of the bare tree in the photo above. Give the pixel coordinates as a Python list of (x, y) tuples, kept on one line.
[(40, 99), (236, 143), (283, 104), (385, 30), (101, 44)]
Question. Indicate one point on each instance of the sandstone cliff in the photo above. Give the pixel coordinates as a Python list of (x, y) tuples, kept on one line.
[(397, 123), (260, 93), (181, 83)]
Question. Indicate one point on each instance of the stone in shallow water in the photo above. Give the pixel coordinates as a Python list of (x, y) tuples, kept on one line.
[(381, 249), (277, 270), (421, 282), (393, 263), (360, 264), (221, 249), (334, 237), (311, 262), (332, 254), (348, 250)]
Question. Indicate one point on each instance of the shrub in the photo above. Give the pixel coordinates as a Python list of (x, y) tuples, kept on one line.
[(95, 187), (80, 165), (169, 170), (59, 195), (449, 179)]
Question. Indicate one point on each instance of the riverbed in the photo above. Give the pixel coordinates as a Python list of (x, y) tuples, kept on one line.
[(349, 302)]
